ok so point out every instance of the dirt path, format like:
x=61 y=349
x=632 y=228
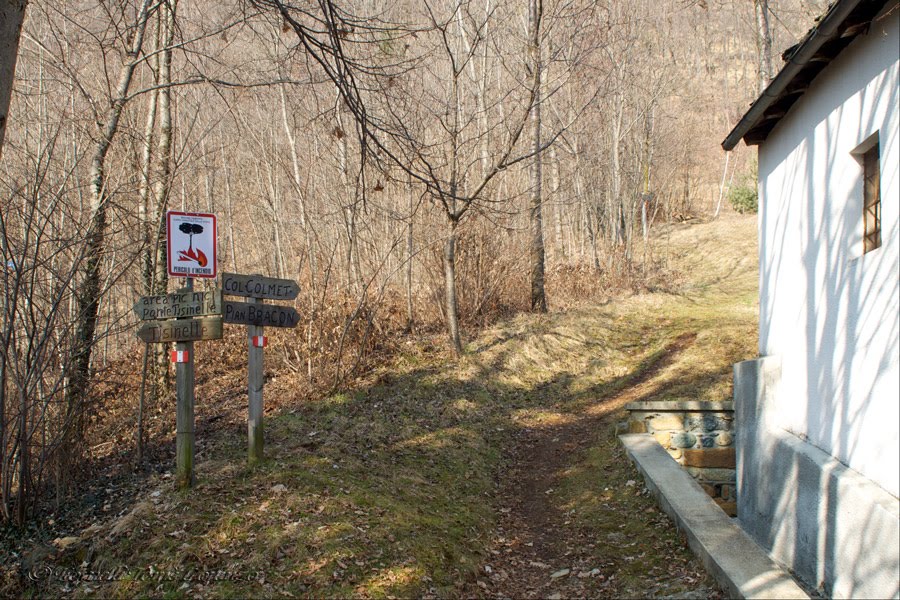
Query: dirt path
x=539 y=549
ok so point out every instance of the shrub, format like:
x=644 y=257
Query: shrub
x=744 y=198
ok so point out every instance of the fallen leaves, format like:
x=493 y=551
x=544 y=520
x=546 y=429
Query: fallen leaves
x=65 y=542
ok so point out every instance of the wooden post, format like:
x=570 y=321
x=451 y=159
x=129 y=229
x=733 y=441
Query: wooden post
x=255 y=392
x=184 y=418
x=256 y=315
x=139 y=434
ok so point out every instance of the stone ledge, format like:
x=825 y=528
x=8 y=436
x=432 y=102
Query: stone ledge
x=681 y=406
x=710 y=457
x=740 y=566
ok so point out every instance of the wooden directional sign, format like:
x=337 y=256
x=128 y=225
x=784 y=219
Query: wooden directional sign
x=268 y=315
x=181 y=330
x=181 y=305
x=257 y=286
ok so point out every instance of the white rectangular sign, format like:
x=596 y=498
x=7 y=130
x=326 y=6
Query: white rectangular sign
x=191 y=244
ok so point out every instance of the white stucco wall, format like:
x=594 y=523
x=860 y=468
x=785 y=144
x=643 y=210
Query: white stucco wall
x=830 y=313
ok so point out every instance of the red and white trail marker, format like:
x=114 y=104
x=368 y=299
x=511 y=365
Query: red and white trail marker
x=180 y=356
x=260 y=341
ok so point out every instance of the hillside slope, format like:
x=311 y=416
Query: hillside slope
x=497 y=475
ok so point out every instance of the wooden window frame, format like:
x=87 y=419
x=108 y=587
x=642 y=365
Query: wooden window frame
x=868 y=155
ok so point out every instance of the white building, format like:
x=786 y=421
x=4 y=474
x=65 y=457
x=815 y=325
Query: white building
x=818 y=415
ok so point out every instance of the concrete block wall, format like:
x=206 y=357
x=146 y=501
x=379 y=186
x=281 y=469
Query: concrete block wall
x=699 y=436
x=834 y=528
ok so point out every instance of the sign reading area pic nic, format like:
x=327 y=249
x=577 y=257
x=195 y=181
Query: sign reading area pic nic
x=191 y=244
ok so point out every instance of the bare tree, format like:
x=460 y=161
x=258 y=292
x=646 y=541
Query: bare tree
x=90 y=287
x=430 y=143
x=763 y=43
x=41 y=257
x=538 y=297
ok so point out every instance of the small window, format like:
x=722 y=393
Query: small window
x=867 y=154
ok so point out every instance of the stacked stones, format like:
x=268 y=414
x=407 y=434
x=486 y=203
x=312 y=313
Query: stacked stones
x=699 y=436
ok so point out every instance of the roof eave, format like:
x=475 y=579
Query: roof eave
x=806 y=51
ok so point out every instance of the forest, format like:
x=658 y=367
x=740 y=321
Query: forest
x=419 y=168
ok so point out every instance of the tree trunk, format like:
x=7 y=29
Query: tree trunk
x=23 y=459
x=163 y=183
x=617 y=208
x=450 y=286
x=88 y=294
x=229 y=209
x=480 y=81
x=12 y=14
x=559 y=241
x=147 y=198
x=647 y=156
x=410 y=316
x=722 y=186
x=453 y=216
x=4 y=479
x=538 y=297
x=348 y=211
x=763 y=43
x=298 y=188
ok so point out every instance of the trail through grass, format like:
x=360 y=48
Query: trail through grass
x=489 y=476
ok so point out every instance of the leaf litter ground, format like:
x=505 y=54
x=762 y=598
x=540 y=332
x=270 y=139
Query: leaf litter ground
x=498 y=475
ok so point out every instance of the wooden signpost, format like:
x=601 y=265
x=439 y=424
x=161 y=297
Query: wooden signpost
x=254 y=314
x=184 y=406
x=184 y=317
x=187 y=316
x=164 y=321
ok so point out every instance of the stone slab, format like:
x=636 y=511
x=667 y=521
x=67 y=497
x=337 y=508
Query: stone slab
x=712 y=474
x=666 y=422
x=663 y=437
x=683 y=440
x=740 y=566
x=637 y=427
x=730 y=508
x=712 y=457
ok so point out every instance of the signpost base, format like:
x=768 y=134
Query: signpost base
x=255 y=393
x=184 y=416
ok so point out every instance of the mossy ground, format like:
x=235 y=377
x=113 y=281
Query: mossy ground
x=421 y=483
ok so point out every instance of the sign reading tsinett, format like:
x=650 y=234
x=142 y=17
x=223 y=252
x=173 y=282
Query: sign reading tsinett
x=257 y=286
x=181 y=330
x=180 y=305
